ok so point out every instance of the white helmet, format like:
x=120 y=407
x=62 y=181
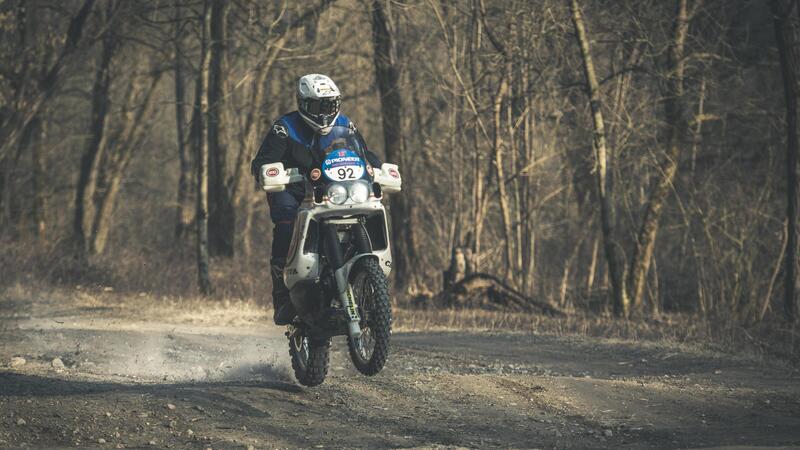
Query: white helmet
x=318 y=101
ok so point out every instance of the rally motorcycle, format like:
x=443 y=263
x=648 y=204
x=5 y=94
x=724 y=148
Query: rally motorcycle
x=339 y=257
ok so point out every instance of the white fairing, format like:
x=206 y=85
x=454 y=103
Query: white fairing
x=302 y=266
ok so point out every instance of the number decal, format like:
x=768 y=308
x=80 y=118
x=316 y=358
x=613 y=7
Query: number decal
x=342 y=165
x=345 y=173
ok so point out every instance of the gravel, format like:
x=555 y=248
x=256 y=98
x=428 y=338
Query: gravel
x=17 y=361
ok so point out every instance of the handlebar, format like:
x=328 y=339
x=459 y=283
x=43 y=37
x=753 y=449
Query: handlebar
x=274 y=178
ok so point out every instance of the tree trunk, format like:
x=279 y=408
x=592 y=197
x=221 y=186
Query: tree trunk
x=786 y=17
x=601 y=155
x=697 y=132
x=93 y=154
x=183 y=213
x=528 y=188
x=13 y=205
x=130 y=139
x=501 y=185
x=518 y=160
x=477 y=168
x=391 y=114
x=201 y=147
x=102 y=223
x=250 y=204
x=592 y=267
x=38 y=180
x=221 y=219
x=458 y=269
x=676 y=132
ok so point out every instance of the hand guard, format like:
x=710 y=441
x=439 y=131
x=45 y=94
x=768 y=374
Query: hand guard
x=272 y=177
x=388 y=176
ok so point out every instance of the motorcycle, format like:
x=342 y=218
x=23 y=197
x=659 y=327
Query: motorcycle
x=339 y=257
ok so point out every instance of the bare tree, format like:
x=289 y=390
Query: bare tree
x=676 y=135
x=128 y=138
x=38 y=177
x=30 y=102
x=600 y=152
x=386 y=75
x=200 y=118
x=33 y=80
x=183 y=210
x=787 y=28
x=89 y=174
x=221 y=215
x=499 y=167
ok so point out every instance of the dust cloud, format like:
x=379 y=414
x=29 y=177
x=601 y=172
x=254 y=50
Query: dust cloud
x=158 y=352
x=194 y=358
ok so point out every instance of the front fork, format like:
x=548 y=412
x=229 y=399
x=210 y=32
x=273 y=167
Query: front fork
x=333 y=251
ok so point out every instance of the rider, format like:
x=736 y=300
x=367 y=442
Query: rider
x=291 y=141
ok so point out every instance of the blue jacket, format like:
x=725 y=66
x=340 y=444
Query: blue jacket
x=291 y=140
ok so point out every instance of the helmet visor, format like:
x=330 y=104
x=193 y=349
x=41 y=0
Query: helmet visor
x=322 y=107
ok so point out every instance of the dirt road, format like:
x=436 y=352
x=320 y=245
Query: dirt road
x=176 y=378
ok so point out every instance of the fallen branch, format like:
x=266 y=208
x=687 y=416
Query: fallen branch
x=482 y=290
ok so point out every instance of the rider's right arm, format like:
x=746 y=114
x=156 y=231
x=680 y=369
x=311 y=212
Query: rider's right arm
x=272 y=149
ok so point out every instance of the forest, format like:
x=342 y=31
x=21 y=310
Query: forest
x=628 y=161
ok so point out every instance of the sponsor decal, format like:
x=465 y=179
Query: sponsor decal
x=341 y=165
x=280 y=130
x=370 y=171
x=315 y=174
x=324 y=89
x=351 y=305
x=272 y=172
x=394 y=173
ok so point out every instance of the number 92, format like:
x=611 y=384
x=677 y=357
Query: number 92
x=345 y=173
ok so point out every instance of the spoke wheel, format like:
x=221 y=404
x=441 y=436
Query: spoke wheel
x=371 y=294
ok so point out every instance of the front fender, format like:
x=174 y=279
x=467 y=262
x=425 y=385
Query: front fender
x=342 y=275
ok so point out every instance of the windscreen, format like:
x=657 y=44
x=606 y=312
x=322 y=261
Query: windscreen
x=343 y=156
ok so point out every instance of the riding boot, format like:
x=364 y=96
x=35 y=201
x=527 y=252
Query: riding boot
x=281 y=301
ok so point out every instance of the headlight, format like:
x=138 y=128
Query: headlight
x=359 y=192
x=337 y=193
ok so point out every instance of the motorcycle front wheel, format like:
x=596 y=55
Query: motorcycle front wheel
x=310 y=359
x=371 y=294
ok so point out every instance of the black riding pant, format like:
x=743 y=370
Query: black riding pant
x=283 y=208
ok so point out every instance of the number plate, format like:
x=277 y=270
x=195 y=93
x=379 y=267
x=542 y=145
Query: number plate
x=342 y=165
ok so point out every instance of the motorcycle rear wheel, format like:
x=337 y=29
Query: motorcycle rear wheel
x=310 y=359
x=371 y=294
